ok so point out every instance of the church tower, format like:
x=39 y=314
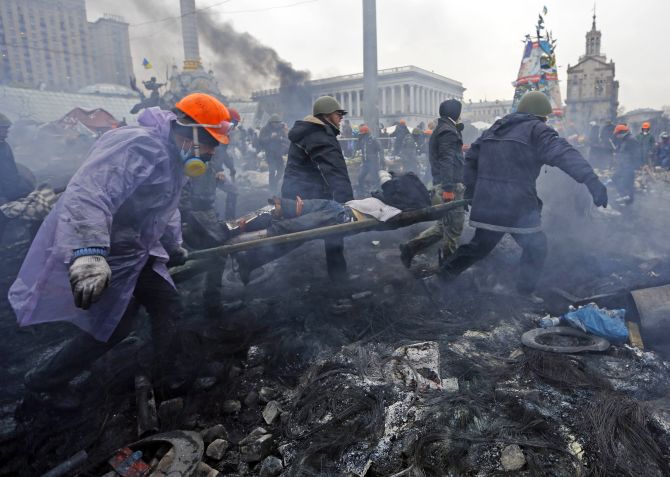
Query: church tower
x=593 y=40
x=592 y=92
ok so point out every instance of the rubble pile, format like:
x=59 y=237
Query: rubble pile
x=294 y=376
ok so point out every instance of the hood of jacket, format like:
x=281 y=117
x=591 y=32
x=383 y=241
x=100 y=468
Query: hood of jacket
x=157 y=119
x=448 y=123
x=503 y=125
x=309 y=125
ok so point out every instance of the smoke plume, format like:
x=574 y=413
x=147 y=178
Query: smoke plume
x=241 y=62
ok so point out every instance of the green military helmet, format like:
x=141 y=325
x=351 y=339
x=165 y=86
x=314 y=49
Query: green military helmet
x=274 y=119
x=535 y=102
x=4 y=121
x=326 y=105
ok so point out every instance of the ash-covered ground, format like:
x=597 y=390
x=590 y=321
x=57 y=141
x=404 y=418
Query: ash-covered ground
x=299 y=376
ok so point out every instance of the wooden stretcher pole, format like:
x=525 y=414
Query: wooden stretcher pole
x=403 y=220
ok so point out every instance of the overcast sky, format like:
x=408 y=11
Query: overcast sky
x=477 y=42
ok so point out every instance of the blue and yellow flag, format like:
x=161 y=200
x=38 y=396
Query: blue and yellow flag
x=147 y=64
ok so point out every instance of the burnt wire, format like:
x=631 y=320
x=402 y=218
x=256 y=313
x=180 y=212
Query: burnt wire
x=624 y=440
x=563 y=371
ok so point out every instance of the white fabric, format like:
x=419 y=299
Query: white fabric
x=374 y=207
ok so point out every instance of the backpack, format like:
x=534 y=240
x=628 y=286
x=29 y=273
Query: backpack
x=404 y=191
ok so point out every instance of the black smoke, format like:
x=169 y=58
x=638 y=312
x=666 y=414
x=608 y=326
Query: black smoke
x=243 y=64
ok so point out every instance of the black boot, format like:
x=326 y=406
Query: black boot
x=406 y=255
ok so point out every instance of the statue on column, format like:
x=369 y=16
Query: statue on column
x=154 y=98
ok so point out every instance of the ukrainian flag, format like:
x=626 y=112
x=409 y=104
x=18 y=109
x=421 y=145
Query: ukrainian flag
x=147 y=64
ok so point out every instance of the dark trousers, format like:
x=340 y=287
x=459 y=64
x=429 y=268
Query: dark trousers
x=163 y=305
x=335 y=261
x=368 y=168
x=534 y=253
x=276 y=171
x=624 y=181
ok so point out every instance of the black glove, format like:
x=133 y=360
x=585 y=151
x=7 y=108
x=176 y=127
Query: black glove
x=598 y=192
x=178 y=257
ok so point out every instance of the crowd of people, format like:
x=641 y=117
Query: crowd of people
x=145 y=196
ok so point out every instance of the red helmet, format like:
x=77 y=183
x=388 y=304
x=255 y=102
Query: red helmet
x=364 y=129
x=646 y=125
x=621 y=128
x=235 y=117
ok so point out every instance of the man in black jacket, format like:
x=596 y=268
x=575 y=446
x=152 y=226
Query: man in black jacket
x=445 y=152
x=372 y=158
x=272 y=140
x=316 y=168
x=12 y=185
x=401 y=131
x=501 y=168
x=627 y=159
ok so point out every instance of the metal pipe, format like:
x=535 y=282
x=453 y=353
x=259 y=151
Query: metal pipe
x=370 y=93
x=66 y=467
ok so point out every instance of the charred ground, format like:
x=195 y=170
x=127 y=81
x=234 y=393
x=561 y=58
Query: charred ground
x=321 y=352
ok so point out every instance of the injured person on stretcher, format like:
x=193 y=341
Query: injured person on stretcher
x=399 y=193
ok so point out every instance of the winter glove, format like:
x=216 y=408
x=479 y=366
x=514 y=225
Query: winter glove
x=598 y=192
x=384 y=176
x=178 y=257
x=89 y=276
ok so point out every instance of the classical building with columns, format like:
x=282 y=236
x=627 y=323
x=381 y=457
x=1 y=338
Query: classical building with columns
x=407 y=92
x=486 y=111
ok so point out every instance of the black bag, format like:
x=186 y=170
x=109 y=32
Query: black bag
x=404 y=191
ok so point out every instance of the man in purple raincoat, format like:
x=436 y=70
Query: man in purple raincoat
x=110 y=236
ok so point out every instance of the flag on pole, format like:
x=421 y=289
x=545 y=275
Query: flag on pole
x=147 y=64
x=544 y=10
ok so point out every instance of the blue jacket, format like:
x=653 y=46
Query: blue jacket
x=502 y=166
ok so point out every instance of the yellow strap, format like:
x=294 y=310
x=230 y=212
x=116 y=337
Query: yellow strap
x=634 y=336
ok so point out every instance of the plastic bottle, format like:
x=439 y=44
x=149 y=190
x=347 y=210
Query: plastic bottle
x=549 y=322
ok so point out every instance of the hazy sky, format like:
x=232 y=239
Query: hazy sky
x=477 y=42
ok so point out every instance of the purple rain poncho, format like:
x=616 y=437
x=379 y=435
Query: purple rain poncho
x=123 y=197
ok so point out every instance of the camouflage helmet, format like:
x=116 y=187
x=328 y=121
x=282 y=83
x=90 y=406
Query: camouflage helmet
x=326 y=105
x=535 y=102
x=274 y=119
x=4 y=121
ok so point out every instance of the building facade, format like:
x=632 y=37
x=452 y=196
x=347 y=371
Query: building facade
x=110 y=38
x=49 y=44
x=485 y=111
x=407 y=92
x=593 y=92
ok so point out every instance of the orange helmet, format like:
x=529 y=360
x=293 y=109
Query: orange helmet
x=621 y=128
x=363 y=129
x=402 y=121
x=646 y=125
x=428 y=132
x=208 y=113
